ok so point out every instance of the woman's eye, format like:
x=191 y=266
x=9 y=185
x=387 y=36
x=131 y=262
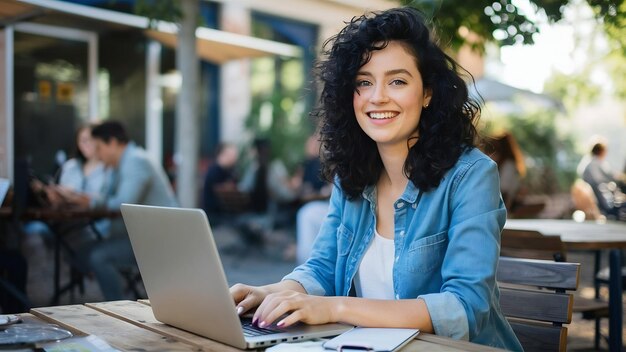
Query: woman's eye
x=397 y=82
x=363 y=83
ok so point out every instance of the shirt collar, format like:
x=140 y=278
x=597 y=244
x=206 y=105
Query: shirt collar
x=409 y=195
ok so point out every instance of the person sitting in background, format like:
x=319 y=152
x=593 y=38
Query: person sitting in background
x=505 y=151
x=267 y=180
x=584 y=200
x=134 y=179
x=315 y=193
x=313 y=187
x=219 y=176
x=606 y=185
x=271 y=191
x=84 y=173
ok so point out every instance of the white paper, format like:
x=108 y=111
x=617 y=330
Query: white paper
x=374 y=339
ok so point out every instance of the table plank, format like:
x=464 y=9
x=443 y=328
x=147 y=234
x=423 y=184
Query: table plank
x=424 y=342
x=119 y=334
x=430 y=342
x=141 y=315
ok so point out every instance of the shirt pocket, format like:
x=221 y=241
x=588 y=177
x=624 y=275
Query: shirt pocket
x=426 y=254
x=344 y=240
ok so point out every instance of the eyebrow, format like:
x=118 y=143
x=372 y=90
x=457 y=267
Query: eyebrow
x=387 y=73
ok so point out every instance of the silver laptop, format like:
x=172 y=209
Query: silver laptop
x=183 y=276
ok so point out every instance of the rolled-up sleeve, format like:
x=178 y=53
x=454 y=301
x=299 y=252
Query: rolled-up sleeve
x=447 y=315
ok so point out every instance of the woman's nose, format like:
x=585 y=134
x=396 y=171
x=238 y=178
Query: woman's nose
x=379 y=94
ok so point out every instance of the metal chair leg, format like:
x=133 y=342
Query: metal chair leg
x=615 y=300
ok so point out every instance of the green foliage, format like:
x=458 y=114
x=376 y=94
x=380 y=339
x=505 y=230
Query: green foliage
x=550 y=154
x=572 y=90
x=616 y=61
x=502 y=22
x=166 y=10
x=278 y=110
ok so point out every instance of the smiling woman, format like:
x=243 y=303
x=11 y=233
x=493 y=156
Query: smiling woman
x=389 y=98
x=412 y=236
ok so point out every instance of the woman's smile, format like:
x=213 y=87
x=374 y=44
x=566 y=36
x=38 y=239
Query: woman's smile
x=385 y=115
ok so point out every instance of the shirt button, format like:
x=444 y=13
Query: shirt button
x=402 y=233
x=397 y=296
x=414 y=205
x=400 y=205
x=398 y=257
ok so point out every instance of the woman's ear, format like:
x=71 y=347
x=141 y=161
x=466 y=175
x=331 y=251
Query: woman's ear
x=428 y=94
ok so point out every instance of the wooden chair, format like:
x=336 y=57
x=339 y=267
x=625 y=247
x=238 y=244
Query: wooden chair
x=533 y=298
x=534 y=245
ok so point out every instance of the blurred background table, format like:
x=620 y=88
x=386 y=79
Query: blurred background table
x=61 y=221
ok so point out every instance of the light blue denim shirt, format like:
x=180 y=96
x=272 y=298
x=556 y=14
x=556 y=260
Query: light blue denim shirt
x=447 y=244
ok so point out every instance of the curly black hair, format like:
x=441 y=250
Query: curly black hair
x=446 y=127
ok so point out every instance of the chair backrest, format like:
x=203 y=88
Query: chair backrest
x=531 y=245
x=533 y=297
x=232 y=201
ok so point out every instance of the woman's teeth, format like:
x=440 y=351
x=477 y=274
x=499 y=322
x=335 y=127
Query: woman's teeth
x=381 y=115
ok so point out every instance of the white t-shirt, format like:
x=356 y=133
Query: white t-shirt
x=374 y=278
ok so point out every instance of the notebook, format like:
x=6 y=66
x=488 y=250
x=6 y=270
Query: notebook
x=372 y=339
x=185 y=281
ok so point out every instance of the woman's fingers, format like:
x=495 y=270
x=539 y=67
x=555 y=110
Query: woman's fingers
x=274 y=311
x=239 y=292
x=291 y=319
x=288 y=308
x=246 y=297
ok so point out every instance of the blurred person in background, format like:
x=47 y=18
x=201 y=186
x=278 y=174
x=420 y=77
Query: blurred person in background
x=505 y=151
x=607 y=185
x=267 y=180
x=314 y=196
x=219 y=176
x=84 y=173
x=411 y=239
x=271 y=191
x=134 y=179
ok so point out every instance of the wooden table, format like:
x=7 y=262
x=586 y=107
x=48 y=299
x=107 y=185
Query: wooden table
x=588 y=235
x=130 y=325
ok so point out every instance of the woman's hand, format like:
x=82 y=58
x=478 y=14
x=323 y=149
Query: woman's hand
x=290 y=307
x=247 y=297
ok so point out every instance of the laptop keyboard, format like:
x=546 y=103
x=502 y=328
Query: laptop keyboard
x=253 y=330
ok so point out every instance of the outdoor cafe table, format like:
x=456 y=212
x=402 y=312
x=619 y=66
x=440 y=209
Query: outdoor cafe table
x=131 y=326
x=61 y=221
x=588 y=235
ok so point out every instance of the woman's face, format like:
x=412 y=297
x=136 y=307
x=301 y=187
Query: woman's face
x=389 y=96
x=86 y=143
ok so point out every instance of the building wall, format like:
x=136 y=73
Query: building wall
x=328 y=15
